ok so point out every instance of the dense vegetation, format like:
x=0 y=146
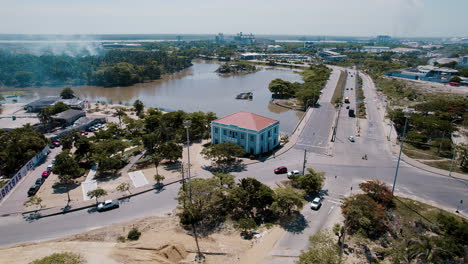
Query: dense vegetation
x=60 y=258
x=237 y=67
x=308 y=92
x=112 y=68
x=381 y=228
x=18 y=146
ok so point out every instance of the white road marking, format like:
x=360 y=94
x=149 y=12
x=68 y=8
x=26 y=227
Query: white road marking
x=138 y=179
x=329 y=211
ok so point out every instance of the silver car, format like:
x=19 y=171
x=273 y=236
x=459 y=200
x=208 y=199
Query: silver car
x=316 y=203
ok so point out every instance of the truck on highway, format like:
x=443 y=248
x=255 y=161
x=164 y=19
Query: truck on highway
x=351 y=112
x=346 y=100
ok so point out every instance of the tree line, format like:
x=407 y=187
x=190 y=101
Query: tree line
x=111 y=68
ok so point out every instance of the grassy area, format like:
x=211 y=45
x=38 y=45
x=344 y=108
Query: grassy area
x=415 y=153
x=339 y=89
x=445 y=165
x=3 y=183
x=361 y=107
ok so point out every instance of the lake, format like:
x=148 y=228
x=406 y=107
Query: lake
x=198 y=88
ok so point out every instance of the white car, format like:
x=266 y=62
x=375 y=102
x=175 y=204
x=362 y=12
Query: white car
x=293 y=173
x=316 y=203
x=351 y=138
x=49 y=167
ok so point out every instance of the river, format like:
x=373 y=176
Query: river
x=198 y=88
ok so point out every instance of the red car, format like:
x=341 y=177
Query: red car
x=56 y=143
x=281 y=170
x=45 y=174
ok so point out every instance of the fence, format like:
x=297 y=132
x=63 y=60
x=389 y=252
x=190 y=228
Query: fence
x=22 y=173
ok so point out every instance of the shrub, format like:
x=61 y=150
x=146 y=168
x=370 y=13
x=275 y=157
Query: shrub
x=60 y=258
x=379 y=192
x=121 y=239
x=134 y=234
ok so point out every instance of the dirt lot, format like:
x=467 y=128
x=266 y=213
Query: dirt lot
x=163 y=240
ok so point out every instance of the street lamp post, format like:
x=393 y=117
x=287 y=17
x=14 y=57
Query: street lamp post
x=399 y=155
x=187 y=124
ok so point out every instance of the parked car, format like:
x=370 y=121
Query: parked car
x=107 y=205
x=347 y=107
x=293 y=173
x=316 y=203
x=351 y=138
x=45 y=174
x=52 y=146
x=39 y=181
x=281 y=170
x=56 y=143
x=49 y=167
x=33 y=190
x=351 y=88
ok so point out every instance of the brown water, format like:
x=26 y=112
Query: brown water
x=197 y=88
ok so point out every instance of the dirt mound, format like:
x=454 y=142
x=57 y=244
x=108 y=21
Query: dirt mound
x=166 y=254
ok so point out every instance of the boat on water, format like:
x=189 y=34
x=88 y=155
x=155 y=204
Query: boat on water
x=245 y=96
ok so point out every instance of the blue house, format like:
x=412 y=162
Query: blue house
x=256 y=134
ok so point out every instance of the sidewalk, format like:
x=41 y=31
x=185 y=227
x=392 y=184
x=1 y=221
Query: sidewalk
x=393 y=143
x=80 y=205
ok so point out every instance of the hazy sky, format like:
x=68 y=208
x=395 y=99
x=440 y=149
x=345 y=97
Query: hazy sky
x=304 y=17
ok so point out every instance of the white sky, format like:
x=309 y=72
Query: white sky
x=399 y=18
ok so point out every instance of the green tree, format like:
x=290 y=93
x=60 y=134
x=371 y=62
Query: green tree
x=286 y=201
x=60 y=258
x=282 y=87
x=171 y=151
x=364 y=215
x=462 y=152
x=23 y=78
x=463 y=71
x=323 y=250
x=97 y=193
x=311 y=182
x=83 y=148
x=45 y=116
x=159 y=178
x=120 y=113
x=201 y=203
x=67 y=141
x=455 y=79
x=106 y=154
x=67 y=93
x=67 y=170
x=139 y=107
x=247 y=225
x=156 y=158
x=123 y=187
x=251 y=198
x=223 y=153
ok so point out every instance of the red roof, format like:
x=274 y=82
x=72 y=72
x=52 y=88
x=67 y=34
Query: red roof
x=246 y=120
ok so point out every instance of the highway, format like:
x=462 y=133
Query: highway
x=344 y=162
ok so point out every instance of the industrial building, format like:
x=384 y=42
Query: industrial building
x=425 y=73
x=39 y=104
x=256 y=134
x=277 y=56
x=328 y=56
x=68 y=117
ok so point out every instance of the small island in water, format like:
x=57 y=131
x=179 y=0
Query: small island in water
x=237 y=67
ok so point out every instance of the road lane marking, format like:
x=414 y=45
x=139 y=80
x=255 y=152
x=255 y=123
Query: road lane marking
x=329 y=211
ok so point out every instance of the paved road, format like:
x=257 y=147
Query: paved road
x=315 y=136
x=346 y=164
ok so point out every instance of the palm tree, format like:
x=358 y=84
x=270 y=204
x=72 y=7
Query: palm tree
x=156 y=160
x=120 y=113
x=159 y=178
x=426 y=249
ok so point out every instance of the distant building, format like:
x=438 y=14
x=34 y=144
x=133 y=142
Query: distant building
x=383 y=39
x=463 y=61
x=68 y=117
x=405 y=50
x=375 y=49
x=328 y=56
x=219 y=38
x=256 y=134
x=278 y=56
x=274 y=47
x=245 y=39
x=117 y=45
x=41 y=103
x=425 y=73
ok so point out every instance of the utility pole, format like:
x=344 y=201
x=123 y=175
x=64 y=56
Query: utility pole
x=399 y=155
x=304 y=163
x=451 y=164
x=187 y=124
